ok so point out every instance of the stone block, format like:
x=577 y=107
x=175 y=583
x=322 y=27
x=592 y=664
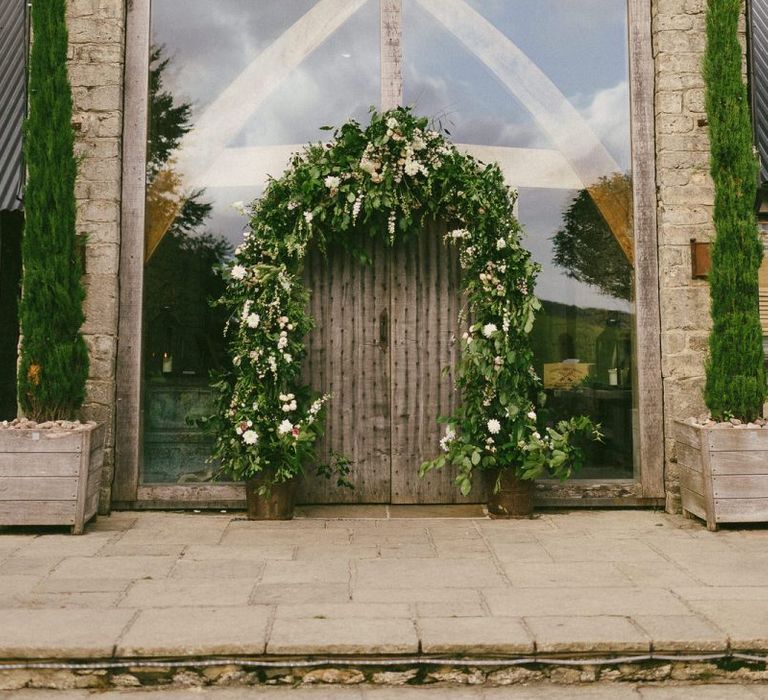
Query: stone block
x=587 y=600
x=321 y=572
x=205 y=631
x=191 y=594
x=474 y=636
x=672 y=633
x=61 y=634
x=452 y=573
x=342 y=636
x=579 y=634
x=95 y=30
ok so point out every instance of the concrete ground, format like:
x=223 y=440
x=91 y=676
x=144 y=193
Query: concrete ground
x=624 y=691
x=179 y=584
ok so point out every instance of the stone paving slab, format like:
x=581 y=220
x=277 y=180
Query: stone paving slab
x=199 y=631
x=342 y=636
x=572 y=583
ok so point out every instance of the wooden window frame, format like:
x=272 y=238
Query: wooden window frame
x=647 y=490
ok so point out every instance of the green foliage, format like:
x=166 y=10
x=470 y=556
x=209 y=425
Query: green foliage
x=388 y=179
x=735 y=370
x=54 y=358
x=587 y=249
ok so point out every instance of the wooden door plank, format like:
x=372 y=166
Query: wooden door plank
x=346 y=359
x=425 y=306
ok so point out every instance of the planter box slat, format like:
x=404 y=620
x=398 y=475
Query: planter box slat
x=729 y=484
x=740 y=462
x=31 y=464
x=34 y=488
x=688 y=435
x=49 y=478
x=694 y=481
x=688 y=456
x=742 y=510
x=37 y=512
x=46 y=441
x=755 y=486
x=693 y=502
x=737 y=439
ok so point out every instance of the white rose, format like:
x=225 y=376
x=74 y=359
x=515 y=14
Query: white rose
x=392 y=123
x=332 y=182
x=288 y=357
x=489 y=329
x=282 y=342
x=308 y=216
x=250 y=437
x=238 y=272
x=411 y=167
x=494 y=426
x=501 y=244
x=531 y=415
x=252 y=320
x=285 y=427
x=536 y=435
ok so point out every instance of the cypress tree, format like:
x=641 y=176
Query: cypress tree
x=54 y=359
x=735 y=371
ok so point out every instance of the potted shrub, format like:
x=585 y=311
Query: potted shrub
x=723 y=457
x=50 y=464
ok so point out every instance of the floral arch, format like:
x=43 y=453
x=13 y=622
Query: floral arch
x=388 y=180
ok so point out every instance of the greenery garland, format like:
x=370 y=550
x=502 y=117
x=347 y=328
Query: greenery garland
x=735 y=385
x=53 y=366
x=388 y=179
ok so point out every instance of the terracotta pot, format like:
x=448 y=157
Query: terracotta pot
x=514 y=499
x=277 y=505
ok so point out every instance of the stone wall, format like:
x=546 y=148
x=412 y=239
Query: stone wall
x=96 y=38
x=685 y=202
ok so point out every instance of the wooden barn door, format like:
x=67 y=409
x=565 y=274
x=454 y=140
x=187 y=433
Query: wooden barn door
x=384 y=346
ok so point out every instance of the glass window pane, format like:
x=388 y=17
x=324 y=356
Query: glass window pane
x=235 y=88
x=542 y=87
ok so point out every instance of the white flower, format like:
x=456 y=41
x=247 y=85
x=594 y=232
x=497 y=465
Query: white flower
x=238 y=272
x=494 y=426
x=369 y=166
x=450 y=434
x=282 y=321
x=332 y=182
x=418 y=143
x=489 y=329
x=411 y=167
x=282 y=342
x=288 y=407
x=536 y=435
x=459 y=233
x=285 y=427
x=250 y=437
x=308 y=216
x=288 y=357
x=501 y=244
x=239 y=207
x=392 y=123
x=531 y=415
x=253 y=320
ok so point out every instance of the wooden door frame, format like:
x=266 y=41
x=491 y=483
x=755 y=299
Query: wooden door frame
x=648 y=489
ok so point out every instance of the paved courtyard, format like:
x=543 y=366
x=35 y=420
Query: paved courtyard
x=179 y=584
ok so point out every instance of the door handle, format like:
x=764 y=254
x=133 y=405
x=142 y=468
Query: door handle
x=383 y=329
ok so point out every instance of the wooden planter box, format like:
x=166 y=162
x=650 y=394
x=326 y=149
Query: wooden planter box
x=50 y=477
x=723 y=473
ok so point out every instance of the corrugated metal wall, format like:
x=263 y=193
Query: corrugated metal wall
x=12 y=100
x=758 y=83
